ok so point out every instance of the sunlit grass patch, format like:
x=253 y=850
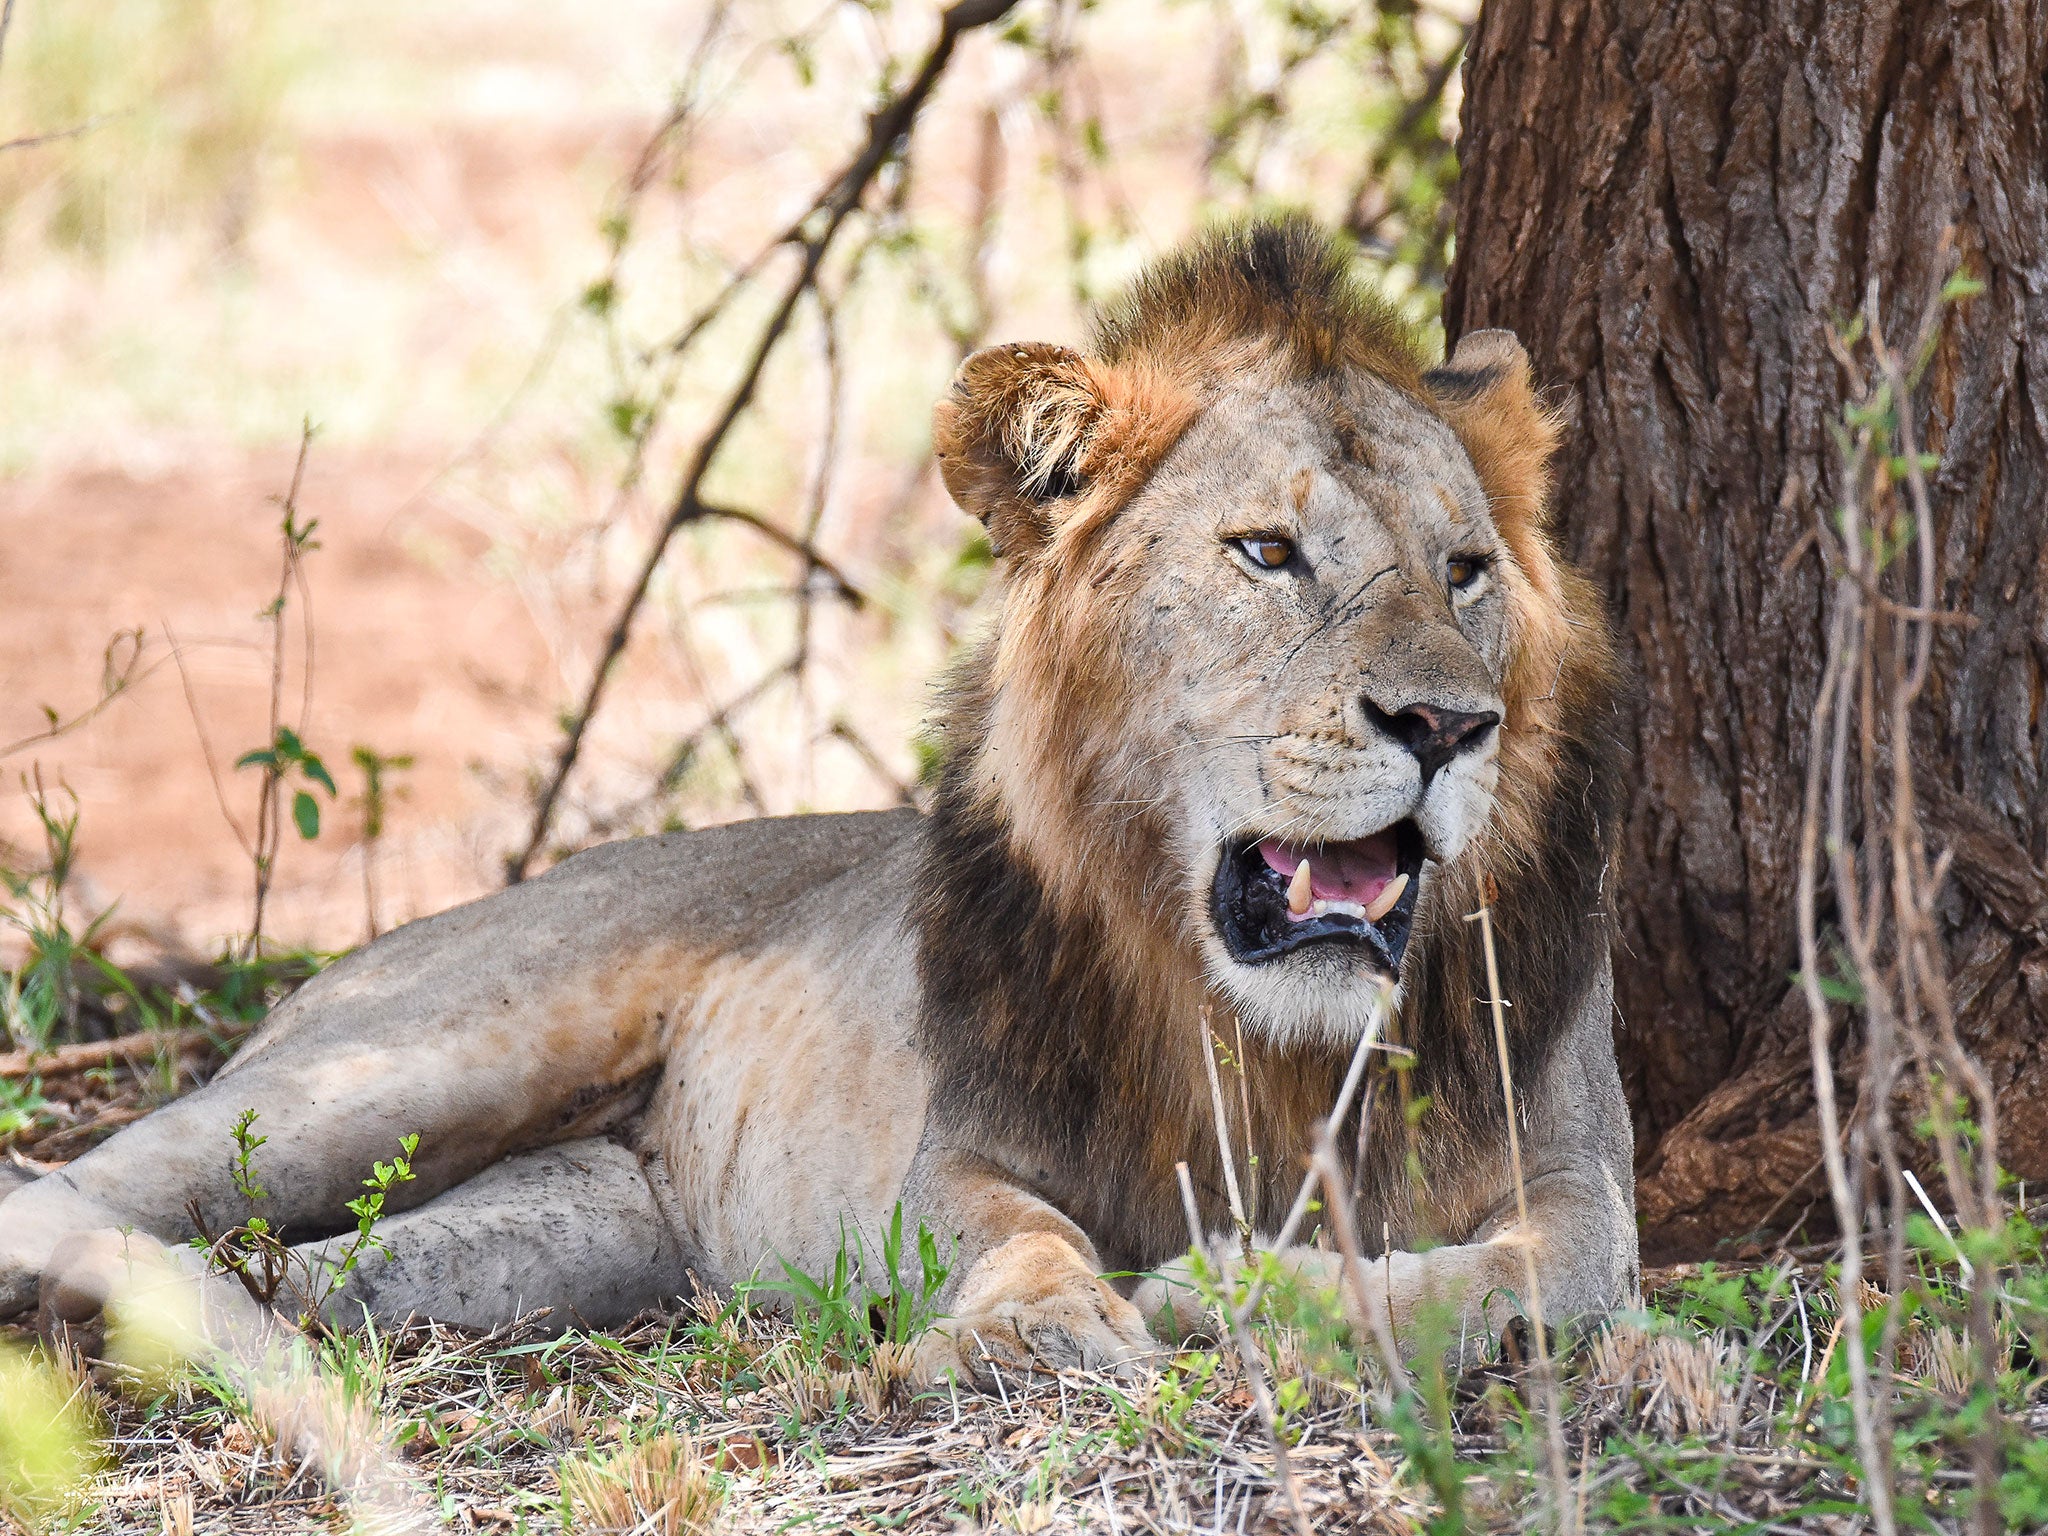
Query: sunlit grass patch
x=49 y=1438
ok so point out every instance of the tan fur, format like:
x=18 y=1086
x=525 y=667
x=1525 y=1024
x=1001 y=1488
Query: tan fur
x=714 y=1054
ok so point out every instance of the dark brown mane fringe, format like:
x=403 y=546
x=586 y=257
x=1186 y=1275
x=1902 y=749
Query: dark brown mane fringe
x=1280 y=284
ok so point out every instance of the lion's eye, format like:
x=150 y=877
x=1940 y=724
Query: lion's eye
x=1265 y=550
x=1463 y=572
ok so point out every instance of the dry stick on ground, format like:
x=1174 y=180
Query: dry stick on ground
x=1546 y=1375
x=813 y=236
x=64 y=1060
x=1254 y=1364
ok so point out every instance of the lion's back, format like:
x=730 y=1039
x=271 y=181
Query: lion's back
x=565 y=938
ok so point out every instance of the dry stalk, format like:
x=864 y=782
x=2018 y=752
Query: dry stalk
x=121 y=669
x=1563 y=1507
x=1210 y=1045
x=1236 y=1320
x=270 y=817
x=1290 y=1229
x=661 y=1487
x=1344 y=1220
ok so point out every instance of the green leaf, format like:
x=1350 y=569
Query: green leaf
x=288 y=743
x=306 y=815
x=258 y=758
x=317 y=772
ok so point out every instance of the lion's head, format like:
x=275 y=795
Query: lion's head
x=1283 y=649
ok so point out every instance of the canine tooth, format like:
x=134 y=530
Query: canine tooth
x=1298 y=895
x=1385 y=902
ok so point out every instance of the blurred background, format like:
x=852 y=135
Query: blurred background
x=505 y=272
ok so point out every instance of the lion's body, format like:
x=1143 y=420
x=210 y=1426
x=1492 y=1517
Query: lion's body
x=706 y=1053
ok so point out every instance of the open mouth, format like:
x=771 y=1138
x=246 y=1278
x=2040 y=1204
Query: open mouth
x=1272 y=896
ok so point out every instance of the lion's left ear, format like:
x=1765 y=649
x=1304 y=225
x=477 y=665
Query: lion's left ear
x=1484 y=392
x=1012 y=435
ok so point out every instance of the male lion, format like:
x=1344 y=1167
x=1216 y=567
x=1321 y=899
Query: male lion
x=1284 y=682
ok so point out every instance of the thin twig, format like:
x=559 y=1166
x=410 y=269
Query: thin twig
x=1236 y=1197
x=120 y=670
x=1344 y=1221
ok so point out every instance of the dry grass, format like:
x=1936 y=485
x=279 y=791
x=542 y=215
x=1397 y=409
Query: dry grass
x=662 y=1486
x=708 y=1419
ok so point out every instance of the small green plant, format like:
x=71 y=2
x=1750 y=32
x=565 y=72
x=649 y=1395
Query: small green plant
x=368 y=1210
x=242 y=1166
x=840 y=1317
x=41 y=998
x=22 y=1105
x=285 y=756
x=1162 y=1413
x=258 y=1255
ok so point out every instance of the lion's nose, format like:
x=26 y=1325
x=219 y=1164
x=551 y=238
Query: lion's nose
x=1435 y=735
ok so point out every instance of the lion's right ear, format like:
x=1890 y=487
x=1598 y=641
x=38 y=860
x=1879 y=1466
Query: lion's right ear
x=1012 y=437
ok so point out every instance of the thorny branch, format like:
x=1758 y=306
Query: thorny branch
x=811 y=236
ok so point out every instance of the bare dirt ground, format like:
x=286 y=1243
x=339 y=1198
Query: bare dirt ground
x=416 y=651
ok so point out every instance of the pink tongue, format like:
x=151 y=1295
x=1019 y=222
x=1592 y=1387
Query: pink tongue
x=1338 y=871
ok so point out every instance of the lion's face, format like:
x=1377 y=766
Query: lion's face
x=1251 y=683
x=1313 y=644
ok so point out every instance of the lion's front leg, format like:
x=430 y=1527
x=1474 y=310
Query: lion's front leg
x=1026 y=1290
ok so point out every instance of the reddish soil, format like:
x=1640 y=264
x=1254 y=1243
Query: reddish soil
x=194 y=553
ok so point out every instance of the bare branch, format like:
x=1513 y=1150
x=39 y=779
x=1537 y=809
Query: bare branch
x=813 y=236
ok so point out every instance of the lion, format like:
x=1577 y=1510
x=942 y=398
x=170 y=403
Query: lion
x=1284 y=682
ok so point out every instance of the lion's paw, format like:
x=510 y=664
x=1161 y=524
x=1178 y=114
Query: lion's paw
x=123 y=1297
x=1033 y=1302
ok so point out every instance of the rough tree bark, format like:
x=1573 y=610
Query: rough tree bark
x=1672 y=201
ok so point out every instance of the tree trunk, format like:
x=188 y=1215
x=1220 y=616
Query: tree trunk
x=1674 y=203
